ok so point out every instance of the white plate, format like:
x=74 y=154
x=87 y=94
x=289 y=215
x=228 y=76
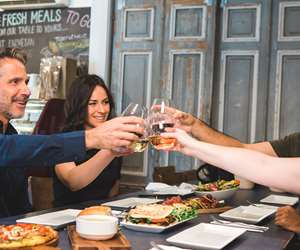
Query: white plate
x=54 y=219
x=57 y=219
x=280 y=199
x=206 y=236
x=220 y=194
x=131 y=202
x=251 y=214
x=149 y=228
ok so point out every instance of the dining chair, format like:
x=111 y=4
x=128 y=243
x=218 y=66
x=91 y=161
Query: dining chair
x=168 y=175
x=50 y=121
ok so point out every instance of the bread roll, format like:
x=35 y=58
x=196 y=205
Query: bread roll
x=101 y=210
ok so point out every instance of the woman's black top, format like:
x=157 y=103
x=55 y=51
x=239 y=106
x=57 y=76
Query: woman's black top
x=96 y=190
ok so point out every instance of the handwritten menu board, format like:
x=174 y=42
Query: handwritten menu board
x=47 y=32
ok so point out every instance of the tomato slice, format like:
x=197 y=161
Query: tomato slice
x=161 y=220
x=43 y=230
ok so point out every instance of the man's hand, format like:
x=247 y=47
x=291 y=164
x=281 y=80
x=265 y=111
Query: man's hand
x=185 y=120
x=288 y=218
x=117 y=132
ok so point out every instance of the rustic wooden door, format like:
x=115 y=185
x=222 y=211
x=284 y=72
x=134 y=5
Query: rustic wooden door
x=163 y=48
x=256 y=83
x=233 y=63
x=242 y=68
x=284 y=87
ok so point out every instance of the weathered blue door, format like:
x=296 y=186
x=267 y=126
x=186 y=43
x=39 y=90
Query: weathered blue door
x=163 y=48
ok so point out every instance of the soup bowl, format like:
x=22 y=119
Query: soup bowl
x=96 y=227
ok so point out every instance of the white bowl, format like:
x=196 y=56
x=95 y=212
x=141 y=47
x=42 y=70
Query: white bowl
x=96 y=227
x=220 y=194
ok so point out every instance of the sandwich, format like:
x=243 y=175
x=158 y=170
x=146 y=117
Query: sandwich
x=160 y=215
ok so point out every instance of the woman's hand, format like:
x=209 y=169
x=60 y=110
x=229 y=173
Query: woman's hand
x=288 y=218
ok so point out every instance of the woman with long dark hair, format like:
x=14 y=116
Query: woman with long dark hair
x=88 y=104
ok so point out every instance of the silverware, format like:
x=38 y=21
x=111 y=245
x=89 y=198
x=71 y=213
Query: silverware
x=255 y=205
x=246 y=226
x=156 y=247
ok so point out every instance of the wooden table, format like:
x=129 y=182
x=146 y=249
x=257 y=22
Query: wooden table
x=275 y=238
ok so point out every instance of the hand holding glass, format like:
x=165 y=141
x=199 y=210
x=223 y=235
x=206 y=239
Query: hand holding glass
x=159 y=119
x=138 y=110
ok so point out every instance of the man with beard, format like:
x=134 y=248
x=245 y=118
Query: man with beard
x=13 y=89
x=19 y=151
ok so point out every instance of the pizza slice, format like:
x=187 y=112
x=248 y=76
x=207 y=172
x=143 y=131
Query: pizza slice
x=25 y=235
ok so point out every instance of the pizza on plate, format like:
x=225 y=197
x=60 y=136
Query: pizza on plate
x=25 y=235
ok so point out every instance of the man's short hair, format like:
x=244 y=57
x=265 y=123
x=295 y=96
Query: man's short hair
x=13 y=53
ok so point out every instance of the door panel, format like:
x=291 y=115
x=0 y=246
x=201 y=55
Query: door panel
x=187 y=64
x=241 y=79
x=135 y=64
x=238 y=89
x=283 y=109
x=289 y=63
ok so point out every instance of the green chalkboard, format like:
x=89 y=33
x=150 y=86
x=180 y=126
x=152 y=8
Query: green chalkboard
x=47 y=32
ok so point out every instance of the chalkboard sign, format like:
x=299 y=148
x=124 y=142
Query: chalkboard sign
x=47 y=32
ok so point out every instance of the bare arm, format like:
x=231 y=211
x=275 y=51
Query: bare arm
x=282 y=173
x=203 y=132
x=288 y=218
x=77 y=177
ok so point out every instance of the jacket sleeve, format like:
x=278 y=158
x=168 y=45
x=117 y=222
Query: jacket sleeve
x=46 y=150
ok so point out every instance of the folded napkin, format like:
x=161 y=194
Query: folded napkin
x=156 y=186
x=164 y=247
x=162 y=188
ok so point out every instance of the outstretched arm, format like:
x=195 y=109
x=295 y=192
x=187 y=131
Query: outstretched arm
x=24 y=150
x=203 y=132
x=282 y=173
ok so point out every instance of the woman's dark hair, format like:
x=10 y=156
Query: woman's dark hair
x=77 y=100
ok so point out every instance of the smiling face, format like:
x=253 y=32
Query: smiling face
x=98 y=108
x=14 y=92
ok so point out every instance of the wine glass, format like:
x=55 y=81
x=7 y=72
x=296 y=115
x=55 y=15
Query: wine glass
x=134 y=109
x=159 y=119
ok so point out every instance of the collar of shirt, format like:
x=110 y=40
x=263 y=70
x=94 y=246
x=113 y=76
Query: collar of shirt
x=9 y=131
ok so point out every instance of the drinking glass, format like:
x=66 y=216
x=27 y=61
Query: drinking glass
x=134 y=109
x=158 y=120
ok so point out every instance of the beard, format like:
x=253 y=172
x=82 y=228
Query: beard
x=6 y=108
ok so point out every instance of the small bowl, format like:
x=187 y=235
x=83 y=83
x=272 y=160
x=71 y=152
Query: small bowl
x=220 y=194
x=96 y=227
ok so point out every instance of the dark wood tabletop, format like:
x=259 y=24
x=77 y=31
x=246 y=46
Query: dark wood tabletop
x=275 y=238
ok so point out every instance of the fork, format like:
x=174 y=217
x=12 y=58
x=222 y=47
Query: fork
x=249 y=227
x=253 y=204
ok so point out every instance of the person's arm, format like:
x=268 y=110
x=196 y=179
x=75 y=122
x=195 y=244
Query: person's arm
x=23 y=150
x=203 y=132
x=282 y=173
x=78 y=177
x=117 y=132
x=288 y=218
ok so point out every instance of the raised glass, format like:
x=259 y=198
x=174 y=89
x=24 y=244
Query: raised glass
x=159 y=119
x=134 y=109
